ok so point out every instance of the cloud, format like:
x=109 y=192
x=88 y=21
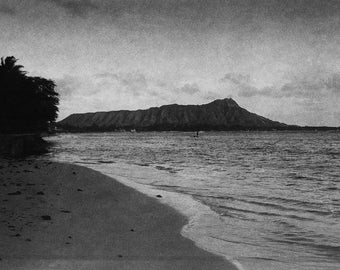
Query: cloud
x=133 y=82
x=211 y=96
x=106 y=75
x=110 y=91
x=242 y=83
x=5 y=9
x=306 y=86
x=71 y=86
x=67 y=86
x=76 y=7
x=236 y=78
x=188 y=88
x=200 y=9
x=311 y=87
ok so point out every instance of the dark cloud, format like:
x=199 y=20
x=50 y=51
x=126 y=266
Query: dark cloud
x=333 y=83
x=210 y=96
x=133 y=82
x=203 y=15
x=243 y=84
x=288 y=8
x=236 y=78
x=309 y=87
x=311 y=9
x=138 y=84
x=76 y=7
x=67 y=86
x=210 y=13
x=189 y=88
x=5 y=9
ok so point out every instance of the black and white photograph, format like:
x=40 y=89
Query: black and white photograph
x=169 y=134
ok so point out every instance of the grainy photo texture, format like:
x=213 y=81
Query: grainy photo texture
x=170 y=134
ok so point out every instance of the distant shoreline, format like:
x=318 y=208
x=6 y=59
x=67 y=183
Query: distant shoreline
x=291 y=129
x=218 y=115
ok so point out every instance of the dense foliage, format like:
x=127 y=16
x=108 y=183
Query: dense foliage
x=27 y=104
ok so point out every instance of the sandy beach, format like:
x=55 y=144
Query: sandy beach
x=63 y=216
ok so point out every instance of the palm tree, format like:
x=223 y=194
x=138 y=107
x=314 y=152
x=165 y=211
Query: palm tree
x=8 y=66
x=27 y=104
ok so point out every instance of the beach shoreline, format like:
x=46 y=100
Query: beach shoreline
x=64 y=216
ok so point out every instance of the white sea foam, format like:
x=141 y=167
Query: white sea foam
x=199 y=216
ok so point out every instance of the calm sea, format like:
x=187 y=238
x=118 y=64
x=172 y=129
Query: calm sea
x=273 y=197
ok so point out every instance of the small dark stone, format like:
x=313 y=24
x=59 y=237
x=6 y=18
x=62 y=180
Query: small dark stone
x=40 y=193
x=74 y=173
x=28 y=240
x=120 y=256
x=132 y=230
x=65 y=211
x=67 y=243
x=79 y=189
x=70 y=237
x=46 y=217
x=14 y=193
x=159 y=196
x=36 y=167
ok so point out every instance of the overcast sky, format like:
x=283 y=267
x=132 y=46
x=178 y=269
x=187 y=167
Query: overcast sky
x=277 y=58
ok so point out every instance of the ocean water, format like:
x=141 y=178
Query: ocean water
x=266 y=200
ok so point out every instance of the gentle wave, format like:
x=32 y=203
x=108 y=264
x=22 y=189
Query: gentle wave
x=276 y=193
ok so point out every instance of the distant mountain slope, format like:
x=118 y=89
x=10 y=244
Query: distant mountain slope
x=221 y=114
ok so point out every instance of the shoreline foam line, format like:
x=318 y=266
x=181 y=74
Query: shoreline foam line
x=197 y=214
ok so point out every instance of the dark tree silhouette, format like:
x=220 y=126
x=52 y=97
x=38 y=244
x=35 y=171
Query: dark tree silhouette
x=27 y=104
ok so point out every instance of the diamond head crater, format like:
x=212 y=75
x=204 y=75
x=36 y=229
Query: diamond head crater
x=219 y=115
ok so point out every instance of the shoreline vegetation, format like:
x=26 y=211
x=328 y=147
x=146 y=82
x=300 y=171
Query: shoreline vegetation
x=28 y=108
x=20 y=145
x=65 y=216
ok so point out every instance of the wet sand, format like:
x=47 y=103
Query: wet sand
x=63 y=216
